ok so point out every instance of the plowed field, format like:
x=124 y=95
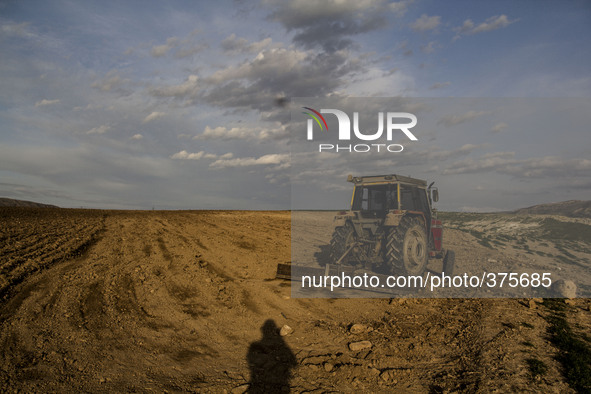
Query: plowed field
x=185 y=301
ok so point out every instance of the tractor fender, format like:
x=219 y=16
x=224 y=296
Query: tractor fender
x=419 y=215
x=340 y=220
x=393 y=219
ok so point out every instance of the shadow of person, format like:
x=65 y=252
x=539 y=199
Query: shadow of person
x=270 y=361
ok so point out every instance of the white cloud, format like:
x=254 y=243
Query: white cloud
x=137 y=137
x=16 y=29
x=492 y=23
x=184 y=155
x=272 y=62
x=162 y=50
x=45 y=102
x=399 y=7
x=282 y=160
x=234 y=44
x=153 y=116
x=429 y=48
x=224 y=133
x=377 y=82
x=499 y=127
x=425 y=23
x=452 y=120
x=189 y=88
x=99 y=130
x=111 y=82
x=273 y=134
x=275 y=73
x=299 y=13
x=244 y=133
x=329 y=24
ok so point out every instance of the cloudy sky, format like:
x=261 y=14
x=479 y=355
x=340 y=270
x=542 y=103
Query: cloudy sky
x=186 y=104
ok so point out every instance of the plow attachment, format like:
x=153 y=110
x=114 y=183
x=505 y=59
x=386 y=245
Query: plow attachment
x=284 y=271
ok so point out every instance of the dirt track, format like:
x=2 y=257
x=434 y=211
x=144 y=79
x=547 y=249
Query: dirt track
x=175 y=301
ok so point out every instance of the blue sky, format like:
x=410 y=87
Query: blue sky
x=186 y=105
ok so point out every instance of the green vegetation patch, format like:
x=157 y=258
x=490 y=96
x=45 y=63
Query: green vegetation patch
x=555 y=229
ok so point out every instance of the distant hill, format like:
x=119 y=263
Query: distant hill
x=9 y=202
x=572 y=208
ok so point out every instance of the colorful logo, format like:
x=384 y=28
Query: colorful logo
x=388 y=124
x=316 y=117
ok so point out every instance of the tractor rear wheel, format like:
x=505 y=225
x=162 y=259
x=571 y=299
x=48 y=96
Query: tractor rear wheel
x=406 y=248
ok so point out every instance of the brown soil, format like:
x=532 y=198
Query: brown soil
x=121 y=301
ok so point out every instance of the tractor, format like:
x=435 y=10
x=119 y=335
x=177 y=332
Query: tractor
x=391 y=227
